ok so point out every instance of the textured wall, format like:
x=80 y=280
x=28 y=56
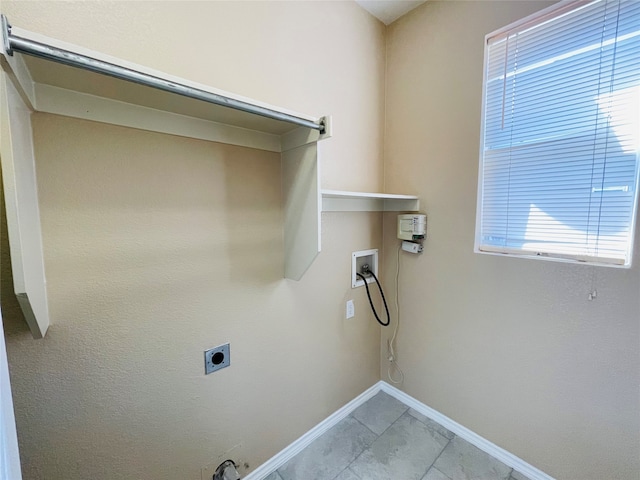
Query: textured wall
x=510 y=348
x=157 y=247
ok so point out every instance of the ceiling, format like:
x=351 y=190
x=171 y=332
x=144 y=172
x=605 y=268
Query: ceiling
x=389 y=11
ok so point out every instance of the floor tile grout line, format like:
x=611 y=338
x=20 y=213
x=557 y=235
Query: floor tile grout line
x=344 y=470
x=449 y=440
x=432 y=467
x=377 y=436
x=365 y=448
x=390 y=425
x=508 y=477
x=361 y=423
x=405 y=412
x=436 y=468
x=433 y=430
x=399 y=401
x=429 y=423
x=430 y=427
x=277 y=470
x=395 y=421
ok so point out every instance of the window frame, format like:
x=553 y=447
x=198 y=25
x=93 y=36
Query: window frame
x=539 y=17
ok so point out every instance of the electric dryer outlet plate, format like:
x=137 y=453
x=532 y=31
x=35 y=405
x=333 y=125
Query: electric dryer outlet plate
x=216 y=358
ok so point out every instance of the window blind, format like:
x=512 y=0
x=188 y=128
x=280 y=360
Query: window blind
x=561 y=134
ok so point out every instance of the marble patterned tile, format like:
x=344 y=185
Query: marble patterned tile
x=348 y=474
x=404 y=451
x=373 y=476
x=330 y=453
x=431 y=423
x=274 y=476
x=463 y=461
x=518 y=476
x=435 y=474
x=379 y=412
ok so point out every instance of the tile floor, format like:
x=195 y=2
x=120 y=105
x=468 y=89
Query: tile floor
x=383 y=439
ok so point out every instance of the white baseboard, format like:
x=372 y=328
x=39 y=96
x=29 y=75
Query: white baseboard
x=279 y=459
x=473 y=438
x=282 y=457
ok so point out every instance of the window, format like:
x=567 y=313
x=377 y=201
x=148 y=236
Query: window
x=560 y=144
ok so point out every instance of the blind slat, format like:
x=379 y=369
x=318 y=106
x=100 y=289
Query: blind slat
x=561 y=141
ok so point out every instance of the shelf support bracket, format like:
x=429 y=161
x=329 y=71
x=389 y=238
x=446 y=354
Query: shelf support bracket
x=23 y=212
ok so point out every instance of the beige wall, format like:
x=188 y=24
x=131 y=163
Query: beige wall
x=158 y=247
x=510 y=348
x=148 y=264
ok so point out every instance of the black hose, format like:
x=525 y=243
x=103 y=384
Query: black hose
x=366 y=285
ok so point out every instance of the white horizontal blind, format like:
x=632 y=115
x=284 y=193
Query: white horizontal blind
x=561 y=134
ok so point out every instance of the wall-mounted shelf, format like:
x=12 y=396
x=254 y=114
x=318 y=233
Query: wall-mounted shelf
x=340 y=201
x=66 y=79
x=46 y=75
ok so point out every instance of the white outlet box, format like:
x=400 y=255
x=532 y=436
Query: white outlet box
x=351 y=309
x=358 y=259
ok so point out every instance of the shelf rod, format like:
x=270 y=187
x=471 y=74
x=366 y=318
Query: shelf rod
x=14 y=43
